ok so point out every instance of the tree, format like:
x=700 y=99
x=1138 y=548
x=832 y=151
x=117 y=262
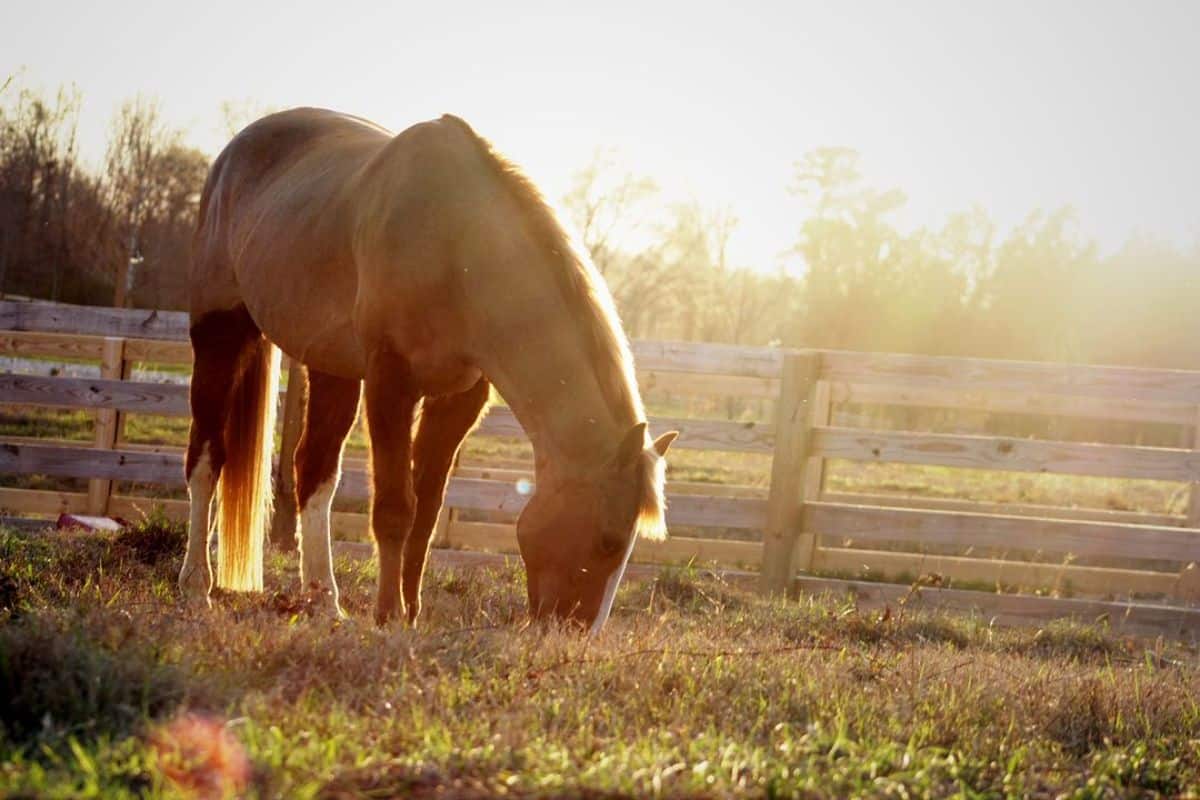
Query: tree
x=44 y=196
x=1033 y=292
x=138 y=140
x=607 y=208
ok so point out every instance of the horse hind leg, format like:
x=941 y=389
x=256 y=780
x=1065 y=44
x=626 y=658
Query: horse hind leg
x=329 y=415
x=445 y=422
x=220 y=341
x=391 y=401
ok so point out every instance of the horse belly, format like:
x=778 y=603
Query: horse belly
x=310 y=321
x=441 y=374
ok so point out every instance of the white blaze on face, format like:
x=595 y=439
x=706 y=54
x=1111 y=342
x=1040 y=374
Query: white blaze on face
x=610 y=588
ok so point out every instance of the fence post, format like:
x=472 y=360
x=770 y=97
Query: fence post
x=1187 y=588
x=814 y=474
x=112 y=365
x=123 y=418
x=283 y=522
x=785 y=503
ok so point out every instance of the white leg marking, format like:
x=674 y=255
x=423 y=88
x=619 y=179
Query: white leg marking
x=610 y=589
x=316 y=550
x=195 y=578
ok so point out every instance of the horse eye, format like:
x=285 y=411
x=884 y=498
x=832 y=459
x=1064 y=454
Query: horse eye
x=611 y=545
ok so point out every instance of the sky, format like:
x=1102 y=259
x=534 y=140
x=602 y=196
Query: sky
x=1010 y=106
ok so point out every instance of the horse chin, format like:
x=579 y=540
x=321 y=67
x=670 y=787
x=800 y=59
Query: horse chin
x=578 y=603
x=586 y=601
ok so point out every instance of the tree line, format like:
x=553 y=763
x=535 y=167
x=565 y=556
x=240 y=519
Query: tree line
x=119 y=233
x=1040 y=292
x=116 y=234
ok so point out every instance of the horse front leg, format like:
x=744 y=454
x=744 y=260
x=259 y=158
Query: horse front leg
x=391 y=400
x=445 y=422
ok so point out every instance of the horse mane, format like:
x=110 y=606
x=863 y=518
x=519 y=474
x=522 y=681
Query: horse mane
x=583 y=289
x=651 y=517
x=591 y=305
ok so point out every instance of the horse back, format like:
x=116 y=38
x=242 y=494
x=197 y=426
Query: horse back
x=275 y=227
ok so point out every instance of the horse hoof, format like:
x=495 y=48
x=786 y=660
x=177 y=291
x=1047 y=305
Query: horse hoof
x=386 y=616
x=194 y=588
x=323 y=602
x=196 y=599
x=414 y=612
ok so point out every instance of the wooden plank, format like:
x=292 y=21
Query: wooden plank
x=134 y=507
x=1006 y=454
x=499 y=463
x=112 y=363
x=45 y=440
x=494 y=474
x=699 y=383
x=167 y=399
x=1026 y=402
x=1091 y=581
x=50 y=345
x=1009 y=509
x=1014 y=609
x=43 y=502
x=719 y=435
x=22 y=344
x=489 y=537
x=715 y=489
x=84 y=462
x=139 y=447
x=93 y=320
x=694 y=434
x=503 y=496
x=686 y=357
x=792 y=449
x=158 y=351
x=973 y=374
x=676 y=487
x=494 y=537
x=963 y=530
x=718 y=359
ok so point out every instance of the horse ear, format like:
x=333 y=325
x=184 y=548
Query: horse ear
x=632 y=445
x=663 y=443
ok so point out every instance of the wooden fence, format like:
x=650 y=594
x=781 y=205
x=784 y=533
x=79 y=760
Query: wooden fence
x=792 y=533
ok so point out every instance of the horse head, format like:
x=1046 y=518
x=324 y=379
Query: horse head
x=578 y=531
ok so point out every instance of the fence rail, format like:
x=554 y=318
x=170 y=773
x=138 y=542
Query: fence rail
x=802 y=528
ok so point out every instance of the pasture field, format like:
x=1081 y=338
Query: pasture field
x=697 y=688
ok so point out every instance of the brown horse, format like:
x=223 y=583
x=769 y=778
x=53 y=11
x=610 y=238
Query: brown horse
x=425 y=268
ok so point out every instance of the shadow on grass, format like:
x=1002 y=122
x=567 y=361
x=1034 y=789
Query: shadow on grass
x=59 y=681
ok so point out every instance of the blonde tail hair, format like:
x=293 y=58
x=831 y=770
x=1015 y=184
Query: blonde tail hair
x=244 y=496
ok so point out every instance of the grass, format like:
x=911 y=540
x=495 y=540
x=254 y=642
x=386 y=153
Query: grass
x=696 y=689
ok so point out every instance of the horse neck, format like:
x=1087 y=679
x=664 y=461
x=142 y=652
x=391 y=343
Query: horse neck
x=545 y=371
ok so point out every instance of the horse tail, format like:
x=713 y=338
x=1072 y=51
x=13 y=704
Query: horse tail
x=244 y=497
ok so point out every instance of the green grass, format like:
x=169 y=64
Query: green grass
x=696 y=689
